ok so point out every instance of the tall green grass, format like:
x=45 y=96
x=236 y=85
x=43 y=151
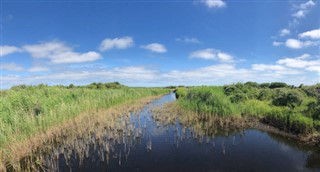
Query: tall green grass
x=286 y=107
x=29 y=110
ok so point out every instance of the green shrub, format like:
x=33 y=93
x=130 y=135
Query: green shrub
x=264 y=85
x=277 y=85
x=181 y=92
x=230 y=90
x=278 y=118
x=290 y=98
x=264 y=94
x=316 y=125
x=313 y=110
x=252 y=84
x=300 y=124
x=238 y=97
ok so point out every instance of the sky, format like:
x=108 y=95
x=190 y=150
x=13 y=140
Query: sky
x=159 y=43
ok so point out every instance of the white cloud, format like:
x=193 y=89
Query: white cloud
x=303 y=9
x=11 y=67
x=303 y=56
x=275 y=69
x=6 y=50
x=313 y=68
x=214 y=3
x=73 y=57
x=118 y=43
x=276 y=43
x=155 y=47
x=189 y=40
x=299 y=14
x=38 y=69
x=265 y=67
x=307 y=5
x=301 y=62
x=284 y=32
x=58 y=52
x=297 y=44
x=313 y=34
x=212 y=54
x=141 y=76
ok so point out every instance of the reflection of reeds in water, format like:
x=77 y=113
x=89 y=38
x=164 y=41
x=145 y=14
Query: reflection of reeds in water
x=200 y=128
x=200 y=124
x=99 y=138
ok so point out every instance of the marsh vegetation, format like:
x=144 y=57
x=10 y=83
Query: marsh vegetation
x=292 y=109
x=158 y=137
x=30 y=116
x=101 y=128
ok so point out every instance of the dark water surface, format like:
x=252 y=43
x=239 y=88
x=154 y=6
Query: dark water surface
x=155 y=147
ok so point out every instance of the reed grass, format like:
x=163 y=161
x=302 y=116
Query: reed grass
x=29 y=111
x=284 y=107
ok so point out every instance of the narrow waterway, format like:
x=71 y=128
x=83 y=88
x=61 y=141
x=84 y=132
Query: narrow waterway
x=147 y=145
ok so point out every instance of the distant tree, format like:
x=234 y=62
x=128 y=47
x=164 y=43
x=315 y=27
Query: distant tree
x=100 y=85
x=264 y=85
x=252 y=84
x=277 y=85
x=19 y=87
x=70 y=86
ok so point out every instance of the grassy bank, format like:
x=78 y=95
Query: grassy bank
x=292 y=109
x=27 y=111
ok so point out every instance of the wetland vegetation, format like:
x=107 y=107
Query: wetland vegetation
x=32 y=115
x=111 y=127
x=292 y=109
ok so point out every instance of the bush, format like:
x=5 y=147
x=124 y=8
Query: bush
x=230 y=90
x=238 y=97
x=252 y=84
x=313 y=110
x=264 y=94
x=316 y=125
x=277 y=85
x=290 y=98
x=264 y=85
x=181 y=92
x=300 y=124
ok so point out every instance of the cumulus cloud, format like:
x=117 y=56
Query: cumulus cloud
x=264 y=67
x=155 y=47
x=38 y=69
x=307 y=5
x=214 y=3
x=302 y=9
x=141 y=76
x=11 y=67
x=130 y=74
x=299 y=14
x=313 y=68
x=297 y=44
x=212 y=54
x=276 y=69
x=58 y=52
x=189 y=40
x=284 y=32
x=6 y=50
x=276 y=43
x=117 y=43
x=313 y=34
x=304 y=61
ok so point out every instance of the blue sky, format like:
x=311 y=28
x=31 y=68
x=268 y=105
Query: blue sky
x=159 y=43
